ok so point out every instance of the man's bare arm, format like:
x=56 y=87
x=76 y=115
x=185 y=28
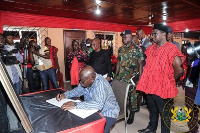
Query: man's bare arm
x=178 y=67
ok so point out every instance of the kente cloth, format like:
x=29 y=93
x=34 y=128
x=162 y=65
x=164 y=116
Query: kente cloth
x=158 y=75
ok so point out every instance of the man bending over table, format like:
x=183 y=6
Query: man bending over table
x=98 y=94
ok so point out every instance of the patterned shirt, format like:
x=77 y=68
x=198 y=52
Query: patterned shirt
x=99 y=96
x=81 y=56
x=158 y=75
x=128 y=58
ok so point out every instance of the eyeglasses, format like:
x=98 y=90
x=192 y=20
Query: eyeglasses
x=83 y=82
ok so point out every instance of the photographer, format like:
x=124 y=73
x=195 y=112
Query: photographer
x=40 y=59
x=28 y=73
x=13 y=68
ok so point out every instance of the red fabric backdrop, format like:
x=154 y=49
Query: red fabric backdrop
x=23 y=19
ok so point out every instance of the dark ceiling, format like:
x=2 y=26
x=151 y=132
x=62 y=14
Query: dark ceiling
x=129 y=12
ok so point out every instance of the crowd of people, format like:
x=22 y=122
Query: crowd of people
x=154 y=68
x=21 y=59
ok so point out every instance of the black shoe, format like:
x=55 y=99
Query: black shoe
x=138 y=109
x=131 y=117
x=143 y=103
x=146 y=130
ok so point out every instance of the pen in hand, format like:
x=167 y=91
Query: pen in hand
x=60 y=96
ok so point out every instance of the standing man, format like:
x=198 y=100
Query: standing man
x=130 y=61
x=98 y=94
x=143 y=40
x=163 y=66
x=40 y=58
x=14 y=70
x=27 y=67
x=170 y=37
x=100 y=60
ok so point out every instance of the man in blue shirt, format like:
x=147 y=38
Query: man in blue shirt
x=97 y=93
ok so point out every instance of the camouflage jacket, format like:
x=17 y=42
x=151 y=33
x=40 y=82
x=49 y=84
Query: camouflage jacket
x=128 y=58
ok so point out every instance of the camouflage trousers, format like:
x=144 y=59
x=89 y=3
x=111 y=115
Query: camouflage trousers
x=134 y=99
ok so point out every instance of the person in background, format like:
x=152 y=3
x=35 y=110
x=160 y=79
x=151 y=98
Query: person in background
x=98 y=94
x=163 y=67
x=144 y=41
x=54 y=59
x=27 y=63
x=13 y=70
x=170 y=38
x=191 y=85
x=100 y=60
x=76 y=61
x=40 y=59
x=130 y=62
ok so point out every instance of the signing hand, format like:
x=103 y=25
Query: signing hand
x=67 y=106
x=59 y=96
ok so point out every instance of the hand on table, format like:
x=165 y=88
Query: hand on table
x=67 y=106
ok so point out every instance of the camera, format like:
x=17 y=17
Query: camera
x=193 y=50
x=7 y=56
x=83 y=43
x=36 y=48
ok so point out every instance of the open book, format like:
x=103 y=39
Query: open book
x=83 y=113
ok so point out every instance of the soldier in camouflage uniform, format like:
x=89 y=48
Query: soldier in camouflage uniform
x=130 y=61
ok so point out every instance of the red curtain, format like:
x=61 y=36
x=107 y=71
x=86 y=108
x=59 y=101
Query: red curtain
x=23 y=19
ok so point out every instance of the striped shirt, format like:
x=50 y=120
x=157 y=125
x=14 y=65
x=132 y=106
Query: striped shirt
x=99 y=96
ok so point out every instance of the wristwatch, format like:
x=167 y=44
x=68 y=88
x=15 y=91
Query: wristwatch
x=74 y=105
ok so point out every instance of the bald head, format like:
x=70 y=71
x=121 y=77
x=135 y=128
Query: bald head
x=96 y=44
x=87 y=76
x=87 y=72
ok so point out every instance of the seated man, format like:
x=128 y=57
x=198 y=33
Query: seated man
x=97 y=93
